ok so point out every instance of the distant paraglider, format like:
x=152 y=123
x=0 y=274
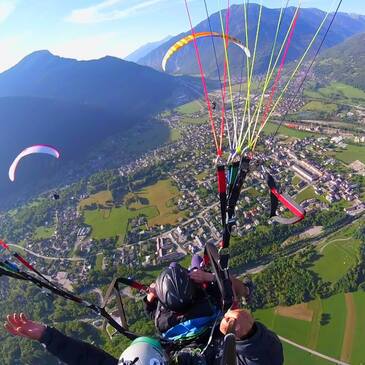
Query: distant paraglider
x=190 y=38
x=39 y=148
x=56 y=196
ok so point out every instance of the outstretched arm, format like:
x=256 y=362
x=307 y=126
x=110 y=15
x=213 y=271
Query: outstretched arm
x=67 y=349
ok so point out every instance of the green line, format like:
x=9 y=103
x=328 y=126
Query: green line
x=258 y=110
x=248 y=74
x=252 y=67
x=292 y=76
x=270 y=72
x=228 y=73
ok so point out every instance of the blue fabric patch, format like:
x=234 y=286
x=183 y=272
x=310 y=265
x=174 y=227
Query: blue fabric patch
x=191 y=328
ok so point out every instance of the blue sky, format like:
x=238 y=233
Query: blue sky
x=87 y=29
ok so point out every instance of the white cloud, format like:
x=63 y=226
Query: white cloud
x=107 y=10
x=91 y=47
x=6 y=8
x=12 y=50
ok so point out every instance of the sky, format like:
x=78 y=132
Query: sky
x=90 y=29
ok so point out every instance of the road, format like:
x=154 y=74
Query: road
x=47 y=257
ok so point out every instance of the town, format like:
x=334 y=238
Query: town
x=303 y=168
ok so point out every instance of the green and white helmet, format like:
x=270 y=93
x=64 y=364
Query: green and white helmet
x=144 y=351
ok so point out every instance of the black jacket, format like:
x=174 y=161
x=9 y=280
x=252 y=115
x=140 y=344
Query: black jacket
x=262 y=348
x=205 y=303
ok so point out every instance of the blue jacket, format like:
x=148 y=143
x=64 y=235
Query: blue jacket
x=262 y=348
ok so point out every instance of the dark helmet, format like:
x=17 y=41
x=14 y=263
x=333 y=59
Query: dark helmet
x=174 y=288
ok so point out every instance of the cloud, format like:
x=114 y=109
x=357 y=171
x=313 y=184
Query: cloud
x=6 y=8
x=91 y=47
x=12 y=50
x=107 y=10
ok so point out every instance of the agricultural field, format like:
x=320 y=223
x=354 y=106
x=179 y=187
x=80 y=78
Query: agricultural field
x=202 y=176
x=100 y=198
x=296 y=180
x=342 y=93
x=99 y=262
x=42 y=233
x=190 y=108
x=318 y=106
x=340 y=247
x=330 y=326
x=113 y=222
x=351 y=153
x=196 y=121
x=307 y=193
x=175 y=135
x=160 y=196
x=270 y=128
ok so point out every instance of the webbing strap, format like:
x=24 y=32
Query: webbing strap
x=287 y=201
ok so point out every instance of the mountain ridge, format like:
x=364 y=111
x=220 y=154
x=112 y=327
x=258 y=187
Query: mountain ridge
x=184 y=61
x=142 y=51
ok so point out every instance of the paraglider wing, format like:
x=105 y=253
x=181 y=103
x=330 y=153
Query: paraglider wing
x=39 y=148
x=190 y=38
x=287 y=201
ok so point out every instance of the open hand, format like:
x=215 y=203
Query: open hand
x=20 y=325
x=241 y=321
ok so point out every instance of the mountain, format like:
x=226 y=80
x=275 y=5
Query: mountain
x=184 y=62
x=121 y=87
x=75 y=105
x=344 y=62
x=145 y=49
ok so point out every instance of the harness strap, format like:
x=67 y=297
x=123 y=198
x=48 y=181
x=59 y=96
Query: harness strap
x=287 y=201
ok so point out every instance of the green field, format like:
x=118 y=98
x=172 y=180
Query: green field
x=175 y=135
x=99 y=262
x=351 y=153
x=43 y=233
x=342 y=251
x=331 y=334
x=160 y=196
x=358 y=348
x=202 y=176
x=293 y=329
x=190 y=108
x=295 y=356
x=113 y=222
x=337 y=91
x=296 y=180
x=319 y=106
x=340 y=248
x=307 y=193
x=196 y=121
x=102 y=197
x=270 y=128
x=325 y=333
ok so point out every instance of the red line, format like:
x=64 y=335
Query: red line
x=278 y=76
x=289 y=204
x=219 y=151
x=224 y=78
x=2 y=243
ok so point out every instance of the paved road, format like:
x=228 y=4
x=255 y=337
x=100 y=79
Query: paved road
x=47 y=257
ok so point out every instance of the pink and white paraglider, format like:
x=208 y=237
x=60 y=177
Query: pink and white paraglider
x=39 y=148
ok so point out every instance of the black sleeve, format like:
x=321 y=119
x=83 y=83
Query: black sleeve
x=150 y=308
x=74 y=352
x=262 y=348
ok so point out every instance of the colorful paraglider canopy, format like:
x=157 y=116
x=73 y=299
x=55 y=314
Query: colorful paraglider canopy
x=39 y=148
x=190 y=38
